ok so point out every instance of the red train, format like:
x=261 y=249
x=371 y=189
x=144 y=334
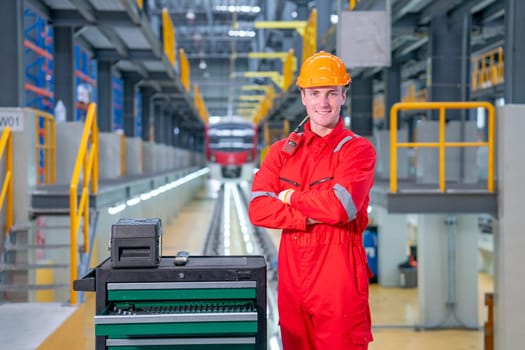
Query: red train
x=231 y=149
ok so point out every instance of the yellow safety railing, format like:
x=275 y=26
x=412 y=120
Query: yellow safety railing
x=310 y=36
x=199 y=104
x=288 y=69
x=353 y=3
x=184 y=70
x=441 y=144
x=168 y=37
x=270 y=135
x=411 y=95
x=45 y=148
x=289 y=66
x=297 y=25
x=487 y=69
x=378 y=107
x=265 y=106
x=6 y=147
x=422 y=95
x=267 y=140
x=87 y=163
x=275 y=76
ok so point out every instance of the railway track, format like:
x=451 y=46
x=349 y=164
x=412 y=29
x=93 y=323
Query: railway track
x=231 y=233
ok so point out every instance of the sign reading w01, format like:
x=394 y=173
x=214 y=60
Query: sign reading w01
x=13 y=119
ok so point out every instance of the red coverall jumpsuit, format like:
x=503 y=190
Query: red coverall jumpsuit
x=322 y=268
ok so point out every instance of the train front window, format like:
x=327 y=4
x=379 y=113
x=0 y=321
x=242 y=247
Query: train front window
x=231 y=140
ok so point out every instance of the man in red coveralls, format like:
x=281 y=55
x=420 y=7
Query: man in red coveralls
x=315 y=187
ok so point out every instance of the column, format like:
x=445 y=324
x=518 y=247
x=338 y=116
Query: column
x=170 y=115
x=302 y=15
x=158 y=120
x=448 y=271
x=146 y=94
x=449 y=60
x=514 y=52
x=130 y=80
x=392 y=247
x=105 y=96
x=509 y=241
x=361 y=94
x=12 y=52
x=324 y=12
x=166 y=115
x=64 y=72
x=392 y=78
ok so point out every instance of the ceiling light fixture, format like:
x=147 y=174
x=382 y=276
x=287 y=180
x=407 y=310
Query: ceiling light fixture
x=190 y=15
x=242 y=33
x=240 y=9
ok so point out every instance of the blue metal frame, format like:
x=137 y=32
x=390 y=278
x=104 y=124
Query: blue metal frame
x=138 y=114
x=38 y=68
x=118 y=104
x=85 y=76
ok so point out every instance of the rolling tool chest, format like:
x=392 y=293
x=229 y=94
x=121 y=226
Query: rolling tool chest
x=211 y=302
x=145 y=301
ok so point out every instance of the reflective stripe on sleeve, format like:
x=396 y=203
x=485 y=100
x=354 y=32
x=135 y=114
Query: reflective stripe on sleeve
x=341 y=143
x=262 y=194
x=346 y=200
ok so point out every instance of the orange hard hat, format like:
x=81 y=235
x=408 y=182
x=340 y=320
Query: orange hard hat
x=323 y=69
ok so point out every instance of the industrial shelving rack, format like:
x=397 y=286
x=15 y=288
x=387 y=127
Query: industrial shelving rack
x=118 y=103
x=85 y=81
x=38 y=58
x=138 y=113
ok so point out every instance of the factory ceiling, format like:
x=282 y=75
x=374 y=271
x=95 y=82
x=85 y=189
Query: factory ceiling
x=218 y=36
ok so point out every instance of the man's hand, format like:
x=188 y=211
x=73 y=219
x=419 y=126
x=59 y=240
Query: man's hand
x=286 y=195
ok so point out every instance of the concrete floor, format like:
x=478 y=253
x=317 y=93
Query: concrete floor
x=394 y=310
x=24 y=326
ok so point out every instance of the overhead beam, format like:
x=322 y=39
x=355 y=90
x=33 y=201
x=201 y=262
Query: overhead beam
x=85 y=9
x=75 y=18
x=134 y=54
x=268 y=55
x=115 y=40
x=276 y=77
x=39 y=7
x=251 y=97
x=256 y=87
x=295 y=25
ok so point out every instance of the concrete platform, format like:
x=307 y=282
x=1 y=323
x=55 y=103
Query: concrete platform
x=26 y=325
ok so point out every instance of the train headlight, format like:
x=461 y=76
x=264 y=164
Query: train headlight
x=249 y=157
x=212 y=158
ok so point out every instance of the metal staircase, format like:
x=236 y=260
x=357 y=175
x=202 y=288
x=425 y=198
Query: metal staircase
x=24 y=267
x=51 y=233
x=35 y=263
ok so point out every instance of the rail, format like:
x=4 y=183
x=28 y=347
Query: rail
x=87 y=160
x=310 y=36
x=229 y=233
x=45 y=147
x=352 y=4
x=6 y=147
x=441 y=144
x=488 y=69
